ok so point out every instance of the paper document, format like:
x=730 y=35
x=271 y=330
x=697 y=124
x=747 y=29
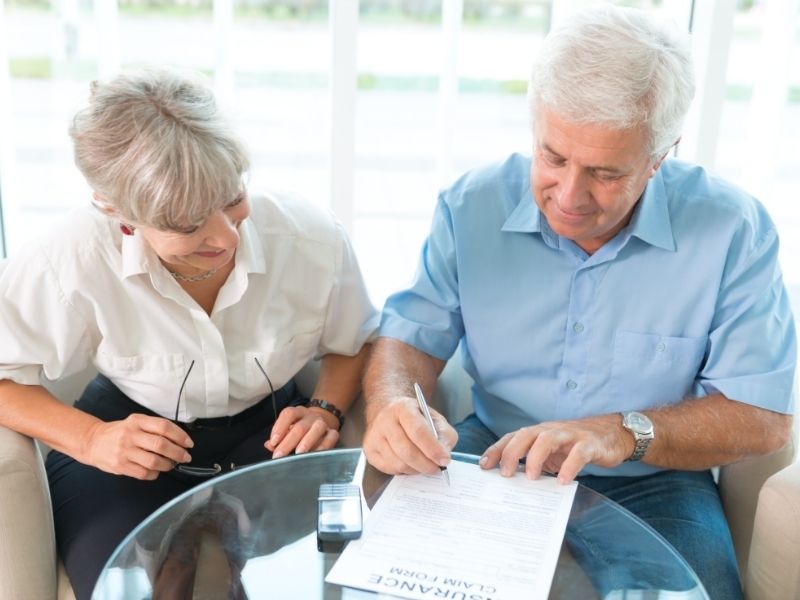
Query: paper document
x=486 y=537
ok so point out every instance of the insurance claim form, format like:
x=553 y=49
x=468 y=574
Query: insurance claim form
x=486 y=537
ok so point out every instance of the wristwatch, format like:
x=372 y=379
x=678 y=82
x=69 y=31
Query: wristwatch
x=325 y=405
x=642 y=429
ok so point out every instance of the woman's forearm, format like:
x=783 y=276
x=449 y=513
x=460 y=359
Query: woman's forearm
x=339 y=380
x=33 y=411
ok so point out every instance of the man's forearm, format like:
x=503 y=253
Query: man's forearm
x=704 y=432
x=392 y=369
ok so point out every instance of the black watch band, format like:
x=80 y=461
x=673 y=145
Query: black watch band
x=325 y=405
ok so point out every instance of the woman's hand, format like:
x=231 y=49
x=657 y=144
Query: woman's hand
x=139 y=446
x=302 y=429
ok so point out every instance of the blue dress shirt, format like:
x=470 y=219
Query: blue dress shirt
x=687 y=299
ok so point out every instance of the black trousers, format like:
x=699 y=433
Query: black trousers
x=94 y=510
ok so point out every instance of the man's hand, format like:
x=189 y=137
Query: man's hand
x=139 y=446
x=562 y=447
x=399 y=440
x=302 y=429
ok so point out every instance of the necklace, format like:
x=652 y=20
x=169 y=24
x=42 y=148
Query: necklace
x=194 y=278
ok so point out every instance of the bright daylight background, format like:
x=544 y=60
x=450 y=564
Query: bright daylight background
x=403 y=94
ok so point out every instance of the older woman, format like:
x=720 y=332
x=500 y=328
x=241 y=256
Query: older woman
x=196 y=302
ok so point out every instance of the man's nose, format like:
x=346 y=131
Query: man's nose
x=571 y=189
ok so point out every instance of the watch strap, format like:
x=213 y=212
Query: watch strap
x=325 y=405
x=642 y=444
x=641 y=439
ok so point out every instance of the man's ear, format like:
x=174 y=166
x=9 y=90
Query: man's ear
x=657 y=164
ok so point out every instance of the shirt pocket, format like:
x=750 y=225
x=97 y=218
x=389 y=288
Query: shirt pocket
x=152 y=380
x=650 y=369
x=281 y=364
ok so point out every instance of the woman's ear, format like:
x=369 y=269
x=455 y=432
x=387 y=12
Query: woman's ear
x=104 y=207
x=111 y=212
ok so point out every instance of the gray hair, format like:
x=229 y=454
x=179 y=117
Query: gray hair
x=154 y=147
x=619 y=67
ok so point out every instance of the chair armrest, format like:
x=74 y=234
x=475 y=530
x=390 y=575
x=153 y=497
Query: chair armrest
x=306 y=378
x=27 y=541
x=352 y=432
x=453 y=397
x=739 y=486
x=773 y=571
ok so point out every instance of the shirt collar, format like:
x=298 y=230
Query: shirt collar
x=525 y=218
x=135 y=256
x=650 y=221
x=250 y=253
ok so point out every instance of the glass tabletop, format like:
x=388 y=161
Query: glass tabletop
x=252 y=534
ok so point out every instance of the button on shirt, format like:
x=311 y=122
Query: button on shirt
x=92 y=295
x=686 y=300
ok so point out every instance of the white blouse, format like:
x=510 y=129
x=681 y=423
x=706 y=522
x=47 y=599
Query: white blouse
x=90 y=294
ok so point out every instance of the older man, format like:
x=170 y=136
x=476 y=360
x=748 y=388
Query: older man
x=622 y=313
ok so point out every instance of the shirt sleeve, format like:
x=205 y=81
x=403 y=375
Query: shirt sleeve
x=40 y=332
x=752 y=345
x=351 y=319
x=427 y=315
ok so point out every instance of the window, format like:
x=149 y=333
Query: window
x=372 y=107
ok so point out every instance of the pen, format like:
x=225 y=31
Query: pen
x=423 y=408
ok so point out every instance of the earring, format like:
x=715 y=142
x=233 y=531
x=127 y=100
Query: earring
x=126 y=229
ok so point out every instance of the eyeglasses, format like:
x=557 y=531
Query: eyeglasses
x=216 y=468
x=271 y=390
x=187 y=469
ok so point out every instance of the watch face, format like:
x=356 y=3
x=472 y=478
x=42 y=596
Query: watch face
x=638 y=422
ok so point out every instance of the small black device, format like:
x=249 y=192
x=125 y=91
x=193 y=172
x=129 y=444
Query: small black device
x=338 y=516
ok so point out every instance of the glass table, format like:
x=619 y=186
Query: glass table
x=252 y=534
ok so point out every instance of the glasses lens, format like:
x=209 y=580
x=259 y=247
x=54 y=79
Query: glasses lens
x=199 y=471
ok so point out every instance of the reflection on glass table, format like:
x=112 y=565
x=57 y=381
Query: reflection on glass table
x=252 y=534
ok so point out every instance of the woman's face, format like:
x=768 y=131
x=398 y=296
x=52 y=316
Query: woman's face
x=210 y=246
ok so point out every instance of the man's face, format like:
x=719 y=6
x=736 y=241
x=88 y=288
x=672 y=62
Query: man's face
x=586 y=179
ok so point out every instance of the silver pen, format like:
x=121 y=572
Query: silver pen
x=423 y=407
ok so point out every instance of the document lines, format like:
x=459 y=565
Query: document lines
x=486 y=537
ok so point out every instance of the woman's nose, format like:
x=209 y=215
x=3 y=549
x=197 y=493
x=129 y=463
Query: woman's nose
x=223 y=232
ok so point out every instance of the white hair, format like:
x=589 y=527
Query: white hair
x=154 y=147
x=619 y=67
